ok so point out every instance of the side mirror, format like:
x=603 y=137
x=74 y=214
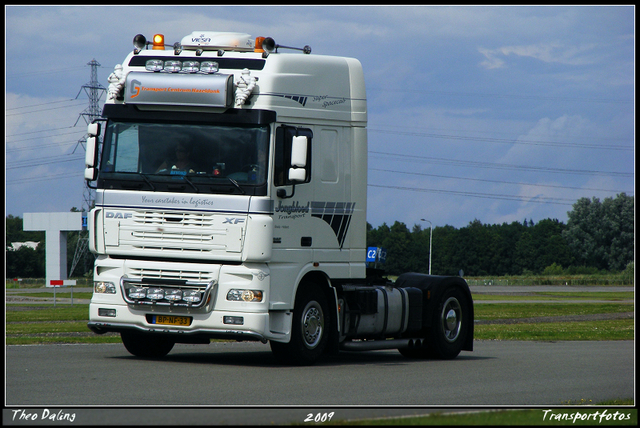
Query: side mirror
x=298 y=166
x=90 y=174
x=91 y=154
x=297 y=175
x=297 y=172
x=299 y=152
x=90 y=157
x=93 y=129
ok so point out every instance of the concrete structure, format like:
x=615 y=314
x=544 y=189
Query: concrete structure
x=56 y=227
x=15 y=246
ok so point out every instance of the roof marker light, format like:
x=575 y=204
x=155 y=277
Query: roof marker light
x=258 y=45
x=158 y=41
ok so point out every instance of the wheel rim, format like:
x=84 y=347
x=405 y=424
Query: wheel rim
x=312 y=324
x=451 y=319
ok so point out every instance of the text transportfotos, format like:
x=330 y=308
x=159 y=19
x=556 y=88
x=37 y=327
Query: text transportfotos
x=598 y=416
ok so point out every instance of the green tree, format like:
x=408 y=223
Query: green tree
x=619 y=235
x=601 y=235
x=550 y=246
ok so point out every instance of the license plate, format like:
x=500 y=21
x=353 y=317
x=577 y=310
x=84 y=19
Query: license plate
x=170 y=320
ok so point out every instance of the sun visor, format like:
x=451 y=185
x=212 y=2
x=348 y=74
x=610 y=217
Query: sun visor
x=206 y=90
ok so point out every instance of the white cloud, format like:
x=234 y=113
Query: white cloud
x=553 y=52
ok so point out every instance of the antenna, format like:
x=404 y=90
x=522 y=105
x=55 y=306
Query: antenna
x=94 y=91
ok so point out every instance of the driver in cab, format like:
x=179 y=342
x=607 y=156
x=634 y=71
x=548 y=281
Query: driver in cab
x=181 y=162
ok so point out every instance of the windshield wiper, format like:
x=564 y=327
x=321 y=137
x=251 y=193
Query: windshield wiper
x=191 y=183
x=153 y=188
x=235 y=183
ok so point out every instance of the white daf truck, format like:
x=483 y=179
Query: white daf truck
x=231 y=194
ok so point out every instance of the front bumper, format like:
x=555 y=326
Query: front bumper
x=255 y=326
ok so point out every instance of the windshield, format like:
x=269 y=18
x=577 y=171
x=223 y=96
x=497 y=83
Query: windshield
x=195 y=153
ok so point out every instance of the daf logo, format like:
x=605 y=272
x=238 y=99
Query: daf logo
x=233 y=220
x=117 y=214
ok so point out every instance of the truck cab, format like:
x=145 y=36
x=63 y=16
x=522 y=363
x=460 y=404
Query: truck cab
x=231 y=184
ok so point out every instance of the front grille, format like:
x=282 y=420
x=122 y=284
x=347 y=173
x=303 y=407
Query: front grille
x=170 y=274
x=173 y=218
x=186 y=234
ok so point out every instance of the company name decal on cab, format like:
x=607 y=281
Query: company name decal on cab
x=137 y=88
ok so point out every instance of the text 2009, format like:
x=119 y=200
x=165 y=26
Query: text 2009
x=319 y=417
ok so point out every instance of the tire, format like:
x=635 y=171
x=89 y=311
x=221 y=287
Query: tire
x=309 y=331
x=146 y=345
x=449 y=328
x=450 y=325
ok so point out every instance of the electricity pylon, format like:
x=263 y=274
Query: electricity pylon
x=94 y=91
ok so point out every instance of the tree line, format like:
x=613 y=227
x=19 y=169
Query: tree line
x=598 y=236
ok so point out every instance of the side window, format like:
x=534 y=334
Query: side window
x=284 y=138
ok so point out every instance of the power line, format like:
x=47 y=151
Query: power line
x=515 y=96
x=36 y=132
x=42 y=178
x=35 y=73
x=44 y=109
x=505 y=141
x=45 y=136
x=497 y=181
x=45 y=162
x=540 y=200
x=41 y=104
x=494 y=131
x=476 y=164
x=20 y=149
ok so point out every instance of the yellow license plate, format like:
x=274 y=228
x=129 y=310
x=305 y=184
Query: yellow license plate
x=170 y=320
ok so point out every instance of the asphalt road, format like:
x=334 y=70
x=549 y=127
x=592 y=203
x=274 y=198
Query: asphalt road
x=240 y=383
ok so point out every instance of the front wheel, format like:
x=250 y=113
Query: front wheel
x=309 y=331
x=146 y=345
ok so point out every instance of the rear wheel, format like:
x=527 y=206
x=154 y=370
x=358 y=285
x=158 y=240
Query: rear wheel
x=146 y=345
x=449 y=328
x=450 y=325
x=309 y=331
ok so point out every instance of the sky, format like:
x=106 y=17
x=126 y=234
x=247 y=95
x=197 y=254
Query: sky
x=489 y=113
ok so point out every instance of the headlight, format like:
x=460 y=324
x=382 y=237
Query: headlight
x=103 y=287
x=235 y=295
x=137 y=293
x=192 y=296
x=173 y=295
x=155 y=293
